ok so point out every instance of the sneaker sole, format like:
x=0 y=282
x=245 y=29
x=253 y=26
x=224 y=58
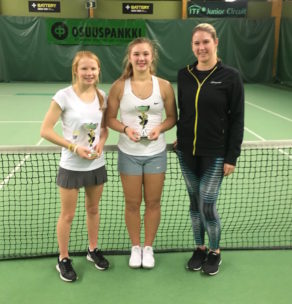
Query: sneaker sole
x=91 y=260
x=62 y=278
x=193 y=269
x=148 y=267
x=135 y=266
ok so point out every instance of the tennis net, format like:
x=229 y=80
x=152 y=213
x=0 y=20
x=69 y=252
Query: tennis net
x=255 y=204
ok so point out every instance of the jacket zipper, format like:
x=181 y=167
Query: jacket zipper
x=200 y=84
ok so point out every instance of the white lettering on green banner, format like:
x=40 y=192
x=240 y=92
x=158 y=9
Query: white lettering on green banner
x=93 y=31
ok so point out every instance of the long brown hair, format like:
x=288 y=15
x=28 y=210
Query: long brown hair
x=79 y=55
x=128 y=68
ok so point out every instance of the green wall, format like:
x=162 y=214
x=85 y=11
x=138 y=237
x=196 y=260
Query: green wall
x=246 y=44
x=287 y=9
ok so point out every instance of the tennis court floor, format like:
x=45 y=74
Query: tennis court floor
x=245 y=276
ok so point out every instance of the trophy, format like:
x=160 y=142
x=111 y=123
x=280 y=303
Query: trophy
x=143 y=119
x=90 y=127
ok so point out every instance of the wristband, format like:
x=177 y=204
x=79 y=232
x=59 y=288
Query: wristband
x=71 y=147
x=125 y=128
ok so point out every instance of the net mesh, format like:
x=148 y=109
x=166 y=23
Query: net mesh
x=255 y=204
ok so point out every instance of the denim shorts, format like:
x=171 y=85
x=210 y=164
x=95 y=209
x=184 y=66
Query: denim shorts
x=139 y=165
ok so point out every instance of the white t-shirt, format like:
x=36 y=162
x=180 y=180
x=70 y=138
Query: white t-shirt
x=132 y=116
x=81 y=125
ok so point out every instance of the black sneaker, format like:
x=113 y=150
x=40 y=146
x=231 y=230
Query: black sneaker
x=67 y=273
x=211 y=266
x=100 y=261
x=197 y=259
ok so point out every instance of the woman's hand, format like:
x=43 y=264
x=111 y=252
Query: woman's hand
x=98 y=149
x=174 y=144
x=154 y=133
x=85 y=152
x=228 y=169
x=132 y=134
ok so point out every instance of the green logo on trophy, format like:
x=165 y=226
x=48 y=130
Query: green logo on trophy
x=143 y=119
x=90 y=127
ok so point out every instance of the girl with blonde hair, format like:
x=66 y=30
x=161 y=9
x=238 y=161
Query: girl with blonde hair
x=141 y=98
x=81 y=107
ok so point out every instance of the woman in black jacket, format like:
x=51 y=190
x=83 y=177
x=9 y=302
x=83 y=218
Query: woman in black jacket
x=209 y=137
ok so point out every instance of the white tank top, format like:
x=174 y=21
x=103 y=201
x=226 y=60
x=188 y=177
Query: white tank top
x=136 y=112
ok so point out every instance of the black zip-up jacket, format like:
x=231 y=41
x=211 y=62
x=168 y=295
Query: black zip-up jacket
x=211 y=112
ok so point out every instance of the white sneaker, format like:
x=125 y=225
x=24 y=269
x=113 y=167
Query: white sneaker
x=148 y=257
x=136 y=257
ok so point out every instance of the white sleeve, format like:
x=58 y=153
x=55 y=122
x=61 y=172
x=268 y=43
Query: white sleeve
x=60 y=99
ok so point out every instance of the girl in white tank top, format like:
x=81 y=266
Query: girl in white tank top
x=141 y=99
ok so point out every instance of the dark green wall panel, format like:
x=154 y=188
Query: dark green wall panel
x=26 y=55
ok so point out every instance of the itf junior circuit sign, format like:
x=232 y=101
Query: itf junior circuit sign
x=217 y=9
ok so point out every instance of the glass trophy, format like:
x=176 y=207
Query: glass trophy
x=143 y=120
x=90 y=128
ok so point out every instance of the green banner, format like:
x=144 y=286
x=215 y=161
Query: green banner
x=94 y=31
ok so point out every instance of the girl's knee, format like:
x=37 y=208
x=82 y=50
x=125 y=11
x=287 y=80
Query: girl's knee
x=132 y=206
x=92 y=210
x=152 y=205
x=210 y=211
x=66 y=218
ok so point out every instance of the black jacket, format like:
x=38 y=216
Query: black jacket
x=211 y=112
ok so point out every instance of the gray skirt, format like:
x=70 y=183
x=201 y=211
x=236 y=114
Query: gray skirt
x=77 y=179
